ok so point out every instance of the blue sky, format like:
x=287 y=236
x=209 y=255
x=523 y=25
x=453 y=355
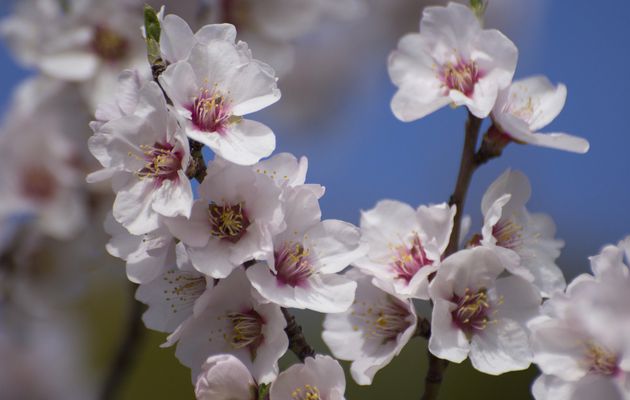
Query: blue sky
x=363 y=154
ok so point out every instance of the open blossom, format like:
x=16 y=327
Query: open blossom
x=319 y=378
x=234 y=323
x=76 y=40
x=224 y=377
x=582 y=342
x=479 y=315
x=40 y=173
x=213 y=89
x=527 y=106
x=233 y=221
x=176 y=294
x=405 y=245
x=523 y=241
x=145 y=155
x=123 y=103
x=302 y=270
x=372 y=332
x=288 y=172
x=146 y=256
x=452 y=60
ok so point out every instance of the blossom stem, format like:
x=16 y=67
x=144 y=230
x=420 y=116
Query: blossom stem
x=127 y=350
x=297 y=342
x=470 y=161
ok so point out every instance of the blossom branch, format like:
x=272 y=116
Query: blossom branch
x=297 y=342
x=129 y=346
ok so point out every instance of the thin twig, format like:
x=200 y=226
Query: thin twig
x=129 y=347
x=297 y=341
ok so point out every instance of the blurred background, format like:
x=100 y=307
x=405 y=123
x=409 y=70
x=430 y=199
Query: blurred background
x=64 y=300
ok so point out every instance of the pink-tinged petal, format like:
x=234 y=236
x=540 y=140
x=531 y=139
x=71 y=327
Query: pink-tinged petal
x=560 y=141
x=217 y=62
x=268 y=286
x=454 y=24
x=180 y=84
x=176 y=39
x=500 y=348
x=411 y=61
x=213 y=259
x=132 y=207
x=252 y=89
x=496 y=55
x=510 y=182
x=210 y=32
x=447 y=341
x=335 y=245
x=174 y=197
x=224 y=377
x=326 y=293
x=436 y=224
x=244 y=142
x=417 y=99
x=558 y=350
x=194 y=231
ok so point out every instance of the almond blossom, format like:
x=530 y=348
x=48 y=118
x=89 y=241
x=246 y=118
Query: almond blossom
x=145 y=155
x=79 y=41
x=372 y=332
x=213 y=89
x=574 y=345
x=527 y=106
x=234 y=323
x=452 y=60
x=524 y=242
x=319 y=378
x=233 y=221
x=478 y=314
x=301 y=271
x=40 y=168
x=224 y=377
x=405 y=245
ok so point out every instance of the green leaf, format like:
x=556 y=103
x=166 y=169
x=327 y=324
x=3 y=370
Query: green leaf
x=263 y=391
x=152 y=29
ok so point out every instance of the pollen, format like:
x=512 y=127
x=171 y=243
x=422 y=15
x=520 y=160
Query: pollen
x=229 y=221
x=473 y=312
x=306 y=392
x=461 y=76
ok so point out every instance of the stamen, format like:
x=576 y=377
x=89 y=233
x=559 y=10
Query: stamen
x=600 y=360
x=473 y=311
x=246 y=330
x=293 y=264
x=409 y=260
x=461 y=76
x=185 y=289
x=228 y=222
x=306 y=392
x=211 y=112
x=384 y=320
x=162 y=162
x=508 y=233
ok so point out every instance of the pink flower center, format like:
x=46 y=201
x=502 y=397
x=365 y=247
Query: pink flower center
x=109 y=45
x=293 y=264
x=600 y=360
x=229 y=221
x=162 y=162
x=508 y=233
x=461 y=76
x=383 y=321
x=38 y=184
x=409 y=260
x=473 y=311
x=211 y=112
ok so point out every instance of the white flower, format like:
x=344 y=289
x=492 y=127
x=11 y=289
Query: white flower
x=234 y=323
x=405 y=245
x=301 y=271
x=527 y=106
x=176 y=294
x=452 y=60
x=146 y=155
x=40 y=173
x=582 y=343
x=77 y=40
x=147 y=256
x=224 y=377
x=478 y=314
x=123 y=103
x=319 y=378
x=372 y=332
x=234 y=220
x=524 y=242
x=213 y=89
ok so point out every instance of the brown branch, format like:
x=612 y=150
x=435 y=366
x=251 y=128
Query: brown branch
x=491 y=147
x=423 y=328
x=130 y=345
x=197 y=166
x=297 y=342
